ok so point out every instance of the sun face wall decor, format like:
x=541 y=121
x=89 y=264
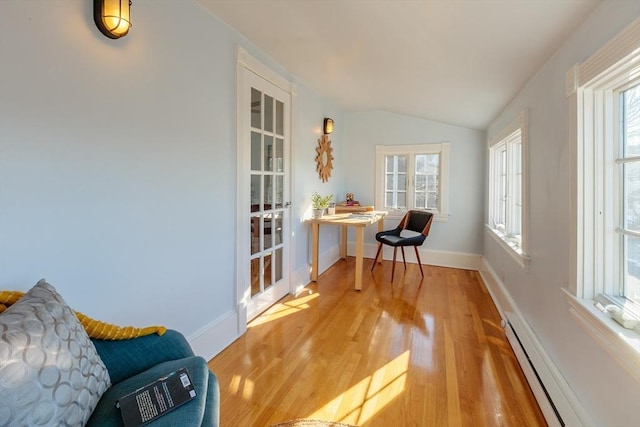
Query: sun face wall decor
x=324 y=158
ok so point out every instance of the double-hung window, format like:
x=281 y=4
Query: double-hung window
x=605 y=96
x=413 y=177
x=507 y=220
x=628 y=196
x=628 y=190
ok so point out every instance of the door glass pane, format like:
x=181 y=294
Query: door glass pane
x=255 y=152
x=255 y=276
x=268 y=225
x=256 y=109
x=268 y=153
x=279 y=191
x=268 y=191
x=278 y=264
x=279 y=118
x=268 y=113
x=279 y=155
x=255 y=234
x=267 y=271
x=256 y=193
x=277 y=228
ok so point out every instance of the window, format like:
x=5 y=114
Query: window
x=605 y=96
x=627 y=232
x=506 y=188
x=413 y=177
x=614 y=229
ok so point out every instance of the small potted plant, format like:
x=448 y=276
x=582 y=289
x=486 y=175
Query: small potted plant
x=320 y=203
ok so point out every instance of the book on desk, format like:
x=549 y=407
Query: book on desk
x=349 y=207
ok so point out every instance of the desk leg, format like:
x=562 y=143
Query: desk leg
x=315 y=231
x=343 y=245
x=359 y=255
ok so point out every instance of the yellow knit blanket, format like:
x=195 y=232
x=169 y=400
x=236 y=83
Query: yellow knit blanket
x=95 y=328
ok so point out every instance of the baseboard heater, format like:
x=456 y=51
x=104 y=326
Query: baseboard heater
x=539 y=371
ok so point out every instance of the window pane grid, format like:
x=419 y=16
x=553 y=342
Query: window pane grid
x=507 y=181
x=395 y=182
x=629 y=193
x=426 y=187
x=413 y=177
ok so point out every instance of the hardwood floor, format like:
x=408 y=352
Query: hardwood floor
x=401 y=354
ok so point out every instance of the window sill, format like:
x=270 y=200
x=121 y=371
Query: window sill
x=516 y=252
x=623 y=344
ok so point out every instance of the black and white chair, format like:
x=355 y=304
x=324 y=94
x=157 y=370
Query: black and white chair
x=417 y=221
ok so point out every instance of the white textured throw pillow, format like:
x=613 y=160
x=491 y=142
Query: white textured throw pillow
x=50 y=372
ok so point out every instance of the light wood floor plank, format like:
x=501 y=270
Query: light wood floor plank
x=419 y=352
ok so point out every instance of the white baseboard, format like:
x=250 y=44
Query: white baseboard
x=427 y=256
x=547 y=379
x=216 y=336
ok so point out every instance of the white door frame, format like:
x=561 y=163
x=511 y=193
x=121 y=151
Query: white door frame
x=243 y=292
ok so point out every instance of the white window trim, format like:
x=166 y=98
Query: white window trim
x=519 y=254
x=442 y=148
x=621 y=54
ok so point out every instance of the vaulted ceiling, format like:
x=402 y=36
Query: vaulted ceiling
x=454 y=61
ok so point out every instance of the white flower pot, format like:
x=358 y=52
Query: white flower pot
x=318 y=213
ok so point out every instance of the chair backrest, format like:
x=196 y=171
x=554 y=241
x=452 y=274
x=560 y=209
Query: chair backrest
x=418 y=221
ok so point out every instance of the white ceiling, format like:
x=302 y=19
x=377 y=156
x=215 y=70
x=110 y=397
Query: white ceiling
x=454 y=61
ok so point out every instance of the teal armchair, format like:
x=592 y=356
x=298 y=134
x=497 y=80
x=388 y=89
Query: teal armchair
x=136 y=362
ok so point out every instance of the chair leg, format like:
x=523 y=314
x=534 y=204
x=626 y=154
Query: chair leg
x=404 y=261
x=393 y=267
x=375 y=261
x=419 y=262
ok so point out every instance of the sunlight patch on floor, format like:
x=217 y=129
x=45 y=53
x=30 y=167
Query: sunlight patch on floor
x=280 y=310
x=238 y=386
x=364 y=400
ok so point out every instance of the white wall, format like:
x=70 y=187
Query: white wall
x=310 y=114
x=462 y=233
x=118 y=160
x=607 y=394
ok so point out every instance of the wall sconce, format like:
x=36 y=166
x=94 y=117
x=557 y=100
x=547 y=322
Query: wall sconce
x=327 y=127
x=112 y=17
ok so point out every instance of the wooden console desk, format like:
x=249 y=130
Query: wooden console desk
x=345 y=220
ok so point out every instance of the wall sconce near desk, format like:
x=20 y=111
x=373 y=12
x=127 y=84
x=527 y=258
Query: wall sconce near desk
x=324 y=157
x=327 y=127
x=112 y=17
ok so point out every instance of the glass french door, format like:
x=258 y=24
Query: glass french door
x=267 y=143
